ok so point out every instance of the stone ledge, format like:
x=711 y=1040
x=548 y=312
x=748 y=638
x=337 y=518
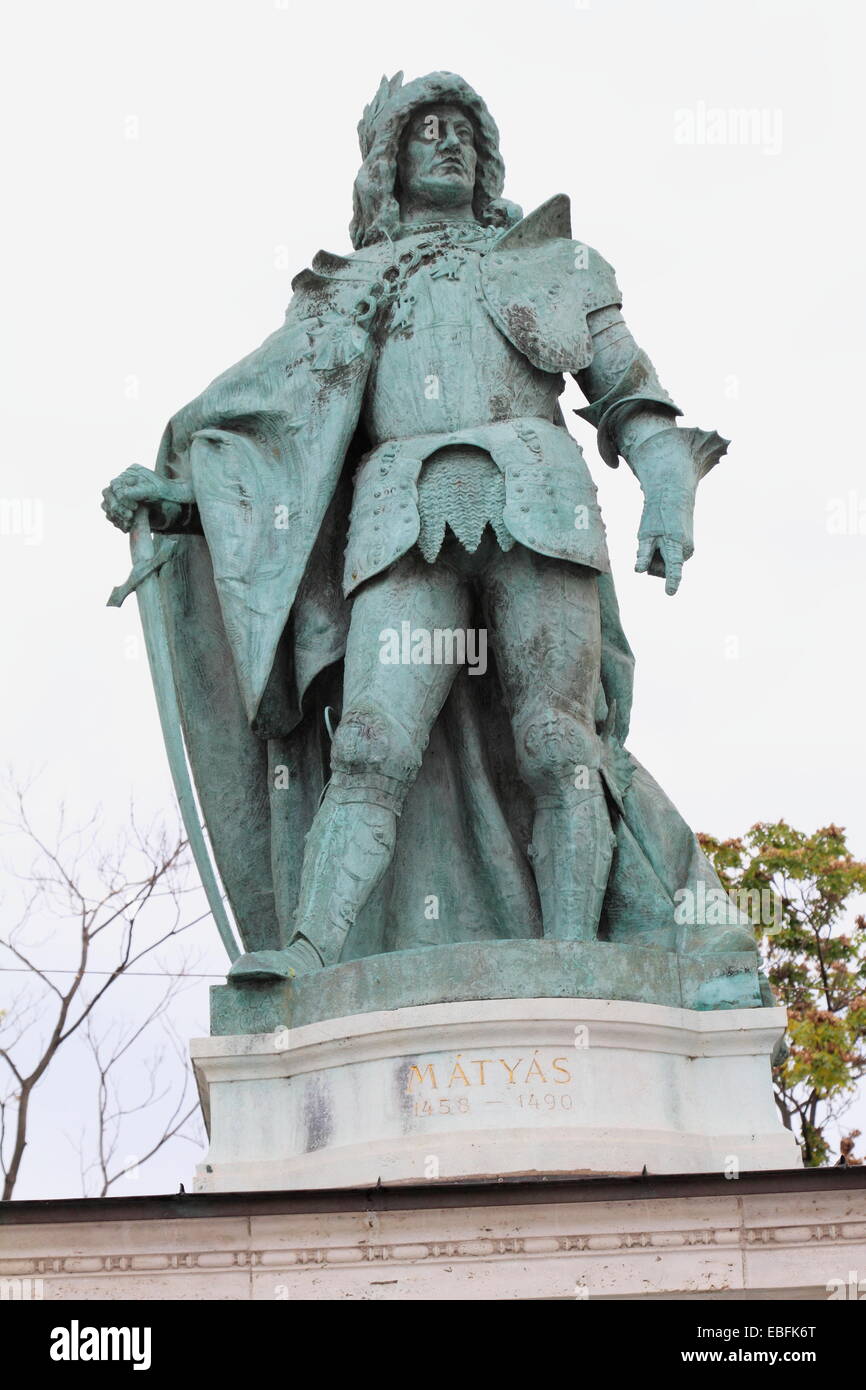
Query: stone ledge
x=489 y=970
x=560 y=1188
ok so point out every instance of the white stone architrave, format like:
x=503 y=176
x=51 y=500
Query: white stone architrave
x=493 y=1088
x=789 y=1235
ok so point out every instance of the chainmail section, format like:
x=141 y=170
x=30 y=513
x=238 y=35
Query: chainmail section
x=465 y=491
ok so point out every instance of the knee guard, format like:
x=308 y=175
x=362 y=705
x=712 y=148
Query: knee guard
x=556 y=752
x=373 y=759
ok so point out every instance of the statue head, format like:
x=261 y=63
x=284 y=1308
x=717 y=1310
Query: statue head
x=430 y=148
x=436 y=162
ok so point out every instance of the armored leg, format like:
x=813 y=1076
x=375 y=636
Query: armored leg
x=572 y=842
x=546 y=631
x=374 y=760
x=389 y=709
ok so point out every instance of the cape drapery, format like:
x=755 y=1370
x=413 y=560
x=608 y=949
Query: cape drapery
x=257 y=626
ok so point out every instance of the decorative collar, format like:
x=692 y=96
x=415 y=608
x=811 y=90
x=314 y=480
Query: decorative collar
x=454 y=230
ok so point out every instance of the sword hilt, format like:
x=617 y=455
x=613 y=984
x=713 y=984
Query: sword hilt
x=147 y=558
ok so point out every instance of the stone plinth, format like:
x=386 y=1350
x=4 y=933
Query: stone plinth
x=470 y=970
x=492 y=1088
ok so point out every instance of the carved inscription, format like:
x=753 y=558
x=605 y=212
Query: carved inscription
x=532 y=1082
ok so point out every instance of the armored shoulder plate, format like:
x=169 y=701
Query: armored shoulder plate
x=335 y=284
x=539 y=286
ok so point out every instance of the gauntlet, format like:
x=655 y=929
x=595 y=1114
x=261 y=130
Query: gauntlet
x=669 y=465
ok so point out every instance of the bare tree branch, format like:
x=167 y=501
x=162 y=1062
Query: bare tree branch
x=103 y=909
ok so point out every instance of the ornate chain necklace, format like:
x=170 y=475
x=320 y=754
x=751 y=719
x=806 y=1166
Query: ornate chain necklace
x=451 y=231
x=391 y=284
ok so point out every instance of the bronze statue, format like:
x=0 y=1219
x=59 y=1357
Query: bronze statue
x=386 y=485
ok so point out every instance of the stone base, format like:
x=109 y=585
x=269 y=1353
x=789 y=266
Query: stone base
x=492 y=1088
x=469 y=970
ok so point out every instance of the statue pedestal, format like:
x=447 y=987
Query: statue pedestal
x=479 y=1089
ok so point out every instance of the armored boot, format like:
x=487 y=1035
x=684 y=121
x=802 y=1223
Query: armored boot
x=571 y=857
x=347 y=851
x=350 y=844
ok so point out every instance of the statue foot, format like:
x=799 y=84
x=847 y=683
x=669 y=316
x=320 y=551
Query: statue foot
x=300 y=958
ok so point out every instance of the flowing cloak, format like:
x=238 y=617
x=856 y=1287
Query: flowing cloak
x=257 y=624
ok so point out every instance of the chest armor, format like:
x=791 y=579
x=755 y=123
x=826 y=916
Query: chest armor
x=441 y=363
x=470 y=352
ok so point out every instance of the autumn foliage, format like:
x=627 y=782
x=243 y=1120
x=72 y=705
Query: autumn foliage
x=815 y=959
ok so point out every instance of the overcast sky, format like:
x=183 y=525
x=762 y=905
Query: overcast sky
x=170 y=166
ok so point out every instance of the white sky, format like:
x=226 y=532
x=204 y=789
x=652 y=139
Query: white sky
x=169 y=166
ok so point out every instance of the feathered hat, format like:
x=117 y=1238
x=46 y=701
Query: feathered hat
x=376 y=212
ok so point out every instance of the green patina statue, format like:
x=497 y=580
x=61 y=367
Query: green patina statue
x=393 y=632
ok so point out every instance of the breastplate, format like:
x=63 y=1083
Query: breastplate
x=441 y=363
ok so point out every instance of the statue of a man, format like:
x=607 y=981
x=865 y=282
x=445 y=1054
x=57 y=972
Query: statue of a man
x=460 y=803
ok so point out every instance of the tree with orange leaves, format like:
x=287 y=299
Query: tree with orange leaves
x=816 y=965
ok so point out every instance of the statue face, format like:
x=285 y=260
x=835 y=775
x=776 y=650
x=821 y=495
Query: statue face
x=437 y=159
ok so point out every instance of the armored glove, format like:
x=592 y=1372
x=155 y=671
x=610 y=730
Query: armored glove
x=669 y=465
